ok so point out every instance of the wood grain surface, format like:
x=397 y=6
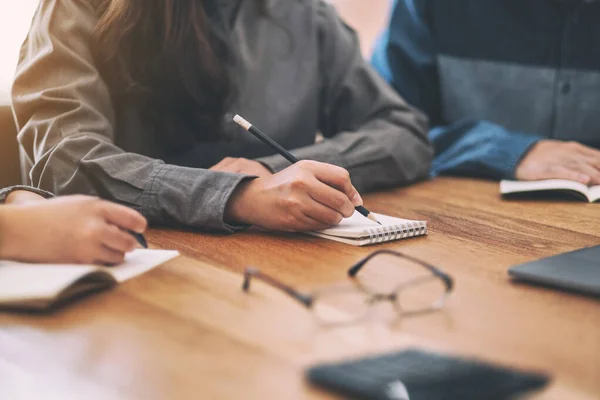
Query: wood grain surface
x=187 y=331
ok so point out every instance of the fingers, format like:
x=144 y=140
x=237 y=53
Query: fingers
x=590 y=171
x=331 y=198
x=591 y=161
x=311 y=224
x=322 y=214
x=336 y=177
x=562 y=172
x=104 y=256
x=588 y=151
x=123 y=217
x=118 y=240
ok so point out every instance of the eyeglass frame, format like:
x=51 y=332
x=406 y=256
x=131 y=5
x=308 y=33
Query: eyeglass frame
x=308 y=299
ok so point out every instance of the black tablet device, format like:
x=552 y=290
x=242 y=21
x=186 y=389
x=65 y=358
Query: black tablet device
x=576 y=271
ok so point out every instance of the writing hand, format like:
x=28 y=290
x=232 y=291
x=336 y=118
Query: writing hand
x=71 y=229
x=308 y=195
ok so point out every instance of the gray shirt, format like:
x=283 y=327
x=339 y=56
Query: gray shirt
x=301 y=75
x=6 y=191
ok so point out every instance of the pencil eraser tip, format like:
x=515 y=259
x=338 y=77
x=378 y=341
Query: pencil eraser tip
x=242 y=122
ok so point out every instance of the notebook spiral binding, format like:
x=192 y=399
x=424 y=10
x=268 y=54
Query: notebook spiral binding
x=389 y=233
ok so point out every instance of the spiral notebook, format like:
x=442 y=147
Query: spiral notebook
x=360 y=231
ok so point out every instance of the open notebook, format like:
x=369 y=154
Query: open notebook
x=360 y=231
x=41 y=286
x=590 y=193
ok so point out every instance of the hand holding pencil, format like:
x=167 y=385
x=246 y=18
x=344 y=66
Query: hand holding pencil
x=308 y=195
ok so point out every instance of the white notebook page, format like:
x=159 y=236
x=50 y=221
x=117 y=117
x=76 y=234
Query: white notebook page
x=358 y=226
x=45 y=281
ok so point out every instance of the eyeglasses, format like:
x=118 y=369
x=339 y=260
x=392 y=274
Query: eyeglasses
x=422 y=288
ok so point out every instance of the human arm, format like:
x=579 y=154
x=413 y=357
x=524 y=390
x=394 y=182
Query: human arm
x=68 y=129
x=368 y=129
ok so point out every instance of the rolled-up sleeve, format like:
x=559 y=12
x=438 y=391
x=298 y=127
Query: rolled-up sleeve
x=67 y=130
x=368 y=128
x=6 y=191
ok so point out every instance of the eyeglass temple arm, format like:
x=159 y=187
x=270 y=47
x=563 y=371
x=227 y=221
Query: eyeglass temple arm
x=305 y=299
x=355 y=269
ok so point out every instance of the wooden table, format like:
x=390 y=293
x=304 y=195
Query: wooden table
x=187 y=331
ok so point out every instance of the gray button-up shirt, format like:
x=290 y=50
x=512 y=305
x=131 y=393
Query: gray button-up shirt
x=300 y=72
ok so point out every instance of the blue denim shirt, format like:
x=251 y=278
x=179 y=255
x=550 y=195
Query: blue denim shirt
x=496 y=76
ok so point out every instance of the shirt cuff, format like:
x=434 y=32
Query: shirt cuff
x=521 y=145
x=5 y=192
x=191 y=197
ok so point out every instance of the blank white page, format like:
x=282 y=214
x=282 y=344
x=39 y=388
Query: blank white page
x=358 y=226
x=22 y=281
x=139 y=261
x=507 y=187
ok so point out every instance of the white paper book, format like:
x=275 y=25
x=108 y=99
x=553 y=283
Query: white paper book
x=40 y=286
x=590 y=193
x=360 y=231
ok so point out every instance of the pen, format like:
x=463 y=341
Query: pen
x=140 y=239
x=287 y=155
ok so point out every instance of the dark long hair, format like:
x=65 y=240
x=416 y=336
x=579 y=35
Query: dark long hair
x=164 y=58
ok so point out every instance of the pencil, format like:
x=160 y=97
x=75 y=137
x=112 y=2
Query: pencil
x=287 y=155
x=139 y=238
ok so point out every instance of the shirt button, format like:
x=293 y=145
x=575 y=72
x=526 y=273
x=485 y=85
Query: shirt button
x=566 y=88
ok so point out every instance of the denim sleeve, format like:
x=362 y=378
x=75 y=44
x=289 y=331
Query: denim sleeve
x=479 y=148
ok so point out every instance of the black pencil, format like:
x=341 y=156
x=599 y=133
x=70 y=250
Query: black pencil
x=139 y=238
x=287 y=155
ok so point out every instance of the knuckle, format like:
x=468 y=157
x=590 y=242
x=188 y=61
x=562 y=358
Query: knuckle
x=92 y=231
x=342 y=203
x=300 y=183
x=100 y=207
x=293 y=204
x=290 y=222
x=306 y=164
x=343 y=178
x=344 y=174
x=339 y=201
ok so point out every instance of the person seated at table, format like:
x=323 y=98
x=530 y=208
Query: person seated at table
x=512 y=88
x=70 y=229
x=134 y=102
